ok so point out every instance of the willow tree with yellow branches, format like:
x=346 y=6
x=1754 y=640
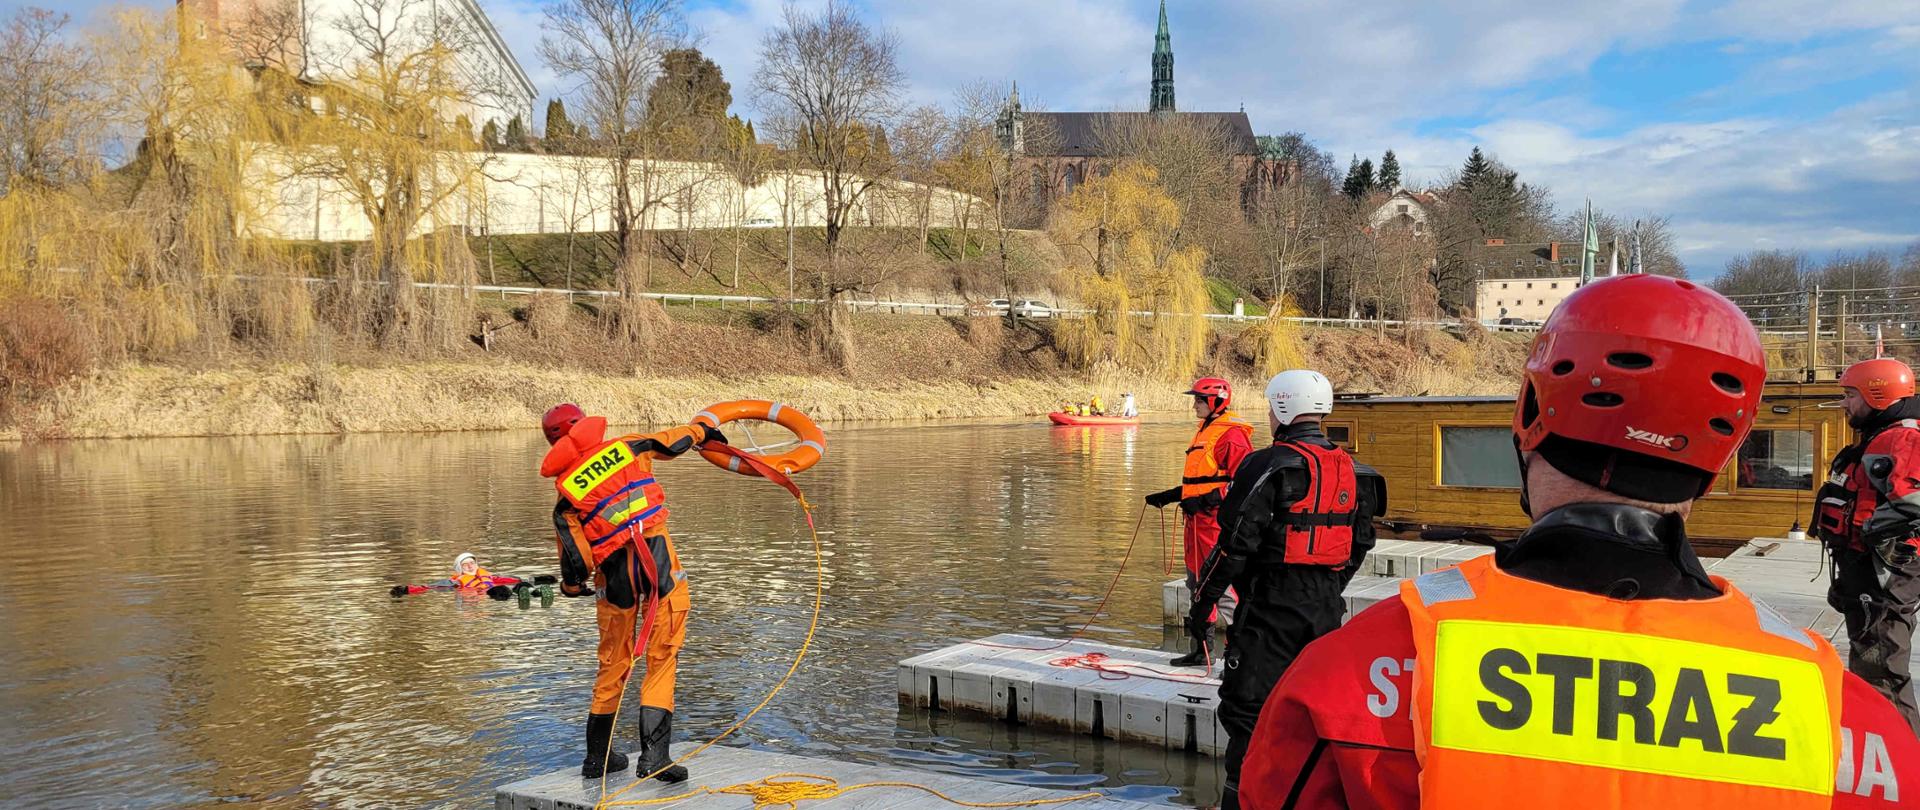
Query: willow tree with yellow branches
x=391 y=137
x=1121 y=232
x=150 y=254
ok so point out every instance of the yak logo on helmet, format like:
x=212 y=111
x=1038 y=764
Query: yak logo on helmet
x=1652 y=439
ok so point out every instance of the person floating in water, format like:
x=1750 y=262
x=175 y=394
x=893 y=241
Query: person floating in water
x=468 y=576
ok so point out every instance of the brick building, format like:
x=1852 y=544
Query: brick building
x=1059 y=151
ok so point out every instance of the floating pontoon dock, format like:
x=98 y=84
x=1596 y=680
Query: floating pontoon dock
x=719 y=767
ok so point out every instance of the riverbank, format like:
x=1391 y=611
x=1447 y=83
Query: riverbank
x=909 y=368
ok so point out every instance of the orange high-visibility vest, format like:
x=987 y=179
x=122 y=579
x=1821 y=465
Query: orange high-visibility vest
x=481 y=578
x=609 y=486
x=1203 y=473
x=1530 y=696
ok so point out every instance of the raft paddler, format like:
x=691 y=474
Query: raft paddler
x=1213 y=456
x=610 y=526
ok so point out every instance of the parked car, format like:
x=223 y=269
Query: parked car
x=762 y=222
x=1024 y=308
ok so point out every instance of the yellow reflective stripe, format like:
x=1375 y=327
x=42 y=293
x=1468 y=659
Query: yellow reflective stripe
x=635 y=504
x=1631 y=702
x=588 y=474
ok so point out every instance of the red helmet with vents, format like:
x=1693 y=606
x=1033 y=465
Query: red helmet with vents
x=1217 y=392
x=1651 y=365
x=1881 y=381
x=560 y=419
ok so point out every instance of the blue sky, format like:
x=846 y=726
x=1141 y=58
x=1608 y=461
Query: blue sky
x=1751 y=123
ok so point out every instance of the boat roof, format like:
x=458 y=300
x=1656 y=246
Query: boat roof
x=1450 y=400
x=1775 y=389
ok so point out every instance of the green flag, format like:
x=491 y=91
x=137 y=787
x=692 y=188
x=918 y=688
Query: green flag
x=1591 y=249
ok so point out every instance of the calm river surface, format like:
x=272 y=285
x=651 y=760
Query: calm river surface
x=191 y=622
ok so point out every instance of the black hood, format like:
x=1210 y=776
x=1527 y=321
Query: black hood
x=1611 y=550
x=1908 y=408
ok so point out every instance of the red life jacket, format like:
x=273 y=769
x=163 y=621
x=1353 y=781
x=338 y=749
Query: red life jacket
x=1320 y=525
x=609 y=486
x=1849 y=497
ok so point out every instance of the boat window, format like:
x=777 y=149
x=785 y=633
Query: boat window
x=1340 y=433
x=1478 y=457
x=1777 y=459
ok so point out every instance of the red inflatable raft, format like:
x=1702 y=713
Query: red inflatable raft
x=1075 y=420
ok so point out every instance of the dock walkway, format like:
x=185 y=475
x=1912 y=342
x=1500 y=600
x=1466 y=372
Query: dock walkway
x=720 y=767
x=1174 y=707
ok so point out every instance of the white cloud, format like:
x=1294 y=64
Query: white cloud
x=1512 y=73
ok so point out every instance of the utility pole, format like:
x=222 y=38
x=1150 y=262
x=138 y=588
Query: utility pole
x=1323 y=275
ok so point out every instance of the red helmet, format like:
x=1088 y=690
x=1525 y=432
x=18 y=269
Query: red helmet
x=1881 y=381
x=1217 y=392
x=1661 y=368
x=560 y=419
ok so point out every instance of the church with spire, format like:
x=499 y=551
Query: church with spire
x=1059 y=150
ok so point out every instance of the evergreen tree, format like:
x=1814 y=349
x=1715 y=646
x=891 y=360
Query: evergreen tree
x=1477 y=167
x=1367 y=184
x=1353 y=186
x=559 y=127
x=687 y=104
x=490 y=136
x=517 y=134
x=1389 y=179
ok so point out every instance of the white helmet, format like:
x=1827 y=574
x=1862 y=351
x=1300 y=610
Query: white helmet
x=461 y=560
x=1298 y=391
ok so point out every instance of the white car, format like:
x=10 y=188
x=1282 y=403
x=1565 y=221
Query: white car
x=762 y=222
x=1024 y=308
x=1029 y=308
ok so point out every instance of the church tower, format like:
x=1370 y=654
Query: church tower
x=1009 y=128
x=1162 y=97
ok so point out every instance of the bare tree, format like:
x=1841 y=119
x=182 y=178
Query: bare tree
x=46 y=107
x=391 y=140
x=269 y=34
x=614 y=50
x=983 y=164
x=830 y=82
x=919 y=142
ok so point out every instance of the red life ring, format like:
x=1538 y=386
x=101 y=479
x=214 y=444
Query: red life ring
x=812 y=442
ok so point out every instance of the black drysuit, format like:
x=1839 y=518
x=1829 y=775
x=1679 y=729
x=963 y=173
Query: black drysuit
x=1283 y=606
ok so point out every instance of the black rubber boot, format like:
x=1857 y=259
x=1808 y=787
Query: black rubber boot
x=1199 y=655
x=656 y=728
x=599 y=738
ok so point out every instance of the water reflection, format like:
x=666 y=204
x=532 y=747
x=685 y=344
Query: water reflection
x=202 y=621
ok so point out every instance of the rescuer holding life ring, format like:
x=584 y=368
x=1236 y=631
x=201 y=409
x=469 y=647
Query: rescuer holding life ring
x=1592 y=662
x=1212 y=457
x=611 y=527
x=1296 y=523
x=1868 y=515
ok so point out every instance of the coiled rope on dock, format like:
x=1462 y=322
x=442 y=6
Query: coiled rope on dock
x=787 y=790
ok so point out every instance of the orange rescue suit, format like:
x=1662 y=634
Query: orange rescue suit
x=1529 y=696
x=611 y=518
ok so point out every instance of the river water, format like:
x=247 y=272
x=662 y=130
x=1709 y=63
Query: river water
x=191 y=622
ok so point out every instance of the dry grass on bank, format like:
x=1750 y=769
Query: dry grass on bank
x=548 y=351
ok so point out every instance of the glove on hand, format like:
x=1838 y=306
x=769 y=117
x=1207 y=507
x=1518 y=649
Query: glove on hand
x=711 y=435
x=1201 y=503
x=1161 y=500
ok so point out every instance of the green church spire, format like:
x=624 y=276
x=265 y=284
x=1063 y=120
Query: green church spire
x=1161 y=97
x=1163 y=41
